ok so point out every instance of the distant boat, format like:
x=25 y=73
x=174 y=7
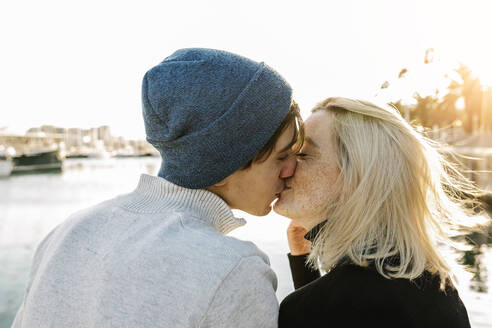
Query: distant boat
x=98 y=153
x=133 y=155
x=39 y=161
x=77 y=156
x=5 y=165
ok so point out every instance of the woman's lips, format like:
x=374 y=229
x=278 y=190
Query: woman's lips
x=286 y=188
x=280 y=193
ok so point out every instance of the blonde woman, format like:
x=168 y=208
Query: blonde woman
x=377 y=198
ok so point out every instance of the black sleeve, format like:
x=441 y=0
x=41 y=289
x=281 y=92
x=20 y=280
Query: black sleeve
x=301 y=273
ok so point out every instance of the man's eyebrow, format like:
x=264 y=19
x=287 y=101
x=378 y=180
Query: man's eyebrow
x=311 y=141
x=288 y=147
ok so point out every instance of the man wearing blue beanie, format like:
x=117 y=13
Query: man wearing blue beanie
x=159 y=256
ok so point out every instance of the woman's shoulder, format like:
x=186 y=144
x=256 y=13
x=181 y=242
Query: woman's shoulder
x=351 y=279
x=348 y=295
x=352 y=295
x=349 y=291
x=343 y=284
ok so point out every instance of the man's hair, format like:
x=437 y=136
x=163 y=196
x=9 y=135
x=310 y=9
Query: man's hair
x=293 y=118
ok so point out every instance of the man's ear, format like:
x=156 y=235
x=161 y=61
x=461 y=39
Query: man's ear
x=221 y=183
x=218 y=187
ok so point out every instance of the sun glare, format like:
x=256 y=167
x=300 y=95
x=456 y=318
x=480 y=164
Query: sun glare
x=478 y=59
x=485 y=75
x=482 y=69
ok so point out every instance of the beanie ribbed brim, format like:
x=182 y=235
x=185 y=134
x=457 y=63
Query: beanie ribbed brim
x=232 y=140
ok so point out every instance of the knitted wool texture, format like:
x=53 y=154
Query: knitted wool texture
x=208 y=112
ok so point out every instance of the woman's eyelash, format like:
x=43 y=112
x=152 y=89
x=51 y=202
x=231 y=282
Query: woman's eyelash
x=301 y=155
x=283 y=158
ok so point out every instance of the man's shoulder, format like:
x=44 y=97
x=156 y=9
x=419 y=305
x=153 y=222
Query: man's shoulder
x=101 y=209
x=218 y=244
x=166 y=229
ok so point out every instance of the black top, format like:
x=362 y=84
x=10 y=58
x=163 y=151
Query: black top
x=353 y=296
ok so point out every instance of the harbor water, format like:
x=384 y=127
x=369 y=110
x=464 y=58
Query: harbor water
x=33 y=204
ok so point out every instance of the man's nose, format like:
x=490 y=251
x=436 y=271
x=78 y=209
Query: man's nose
x=289 y=167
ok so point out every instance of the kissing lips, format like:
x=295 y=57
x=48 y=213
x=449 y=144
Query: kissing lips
x=284 y=189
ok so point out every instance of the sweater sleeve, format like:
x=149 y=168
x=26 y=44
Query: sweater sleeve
x=301 y=273
x=246 y=298
x=38 y=255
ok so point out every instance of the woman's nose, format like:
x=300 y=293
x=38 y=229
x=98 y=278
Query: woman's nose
x=289 y=167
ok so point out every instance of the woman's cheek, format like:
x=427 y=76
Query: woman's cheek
x=309 y=193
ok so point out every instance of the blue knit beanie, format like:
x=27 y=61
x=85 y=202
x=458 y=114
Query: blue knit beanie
x=209 y=112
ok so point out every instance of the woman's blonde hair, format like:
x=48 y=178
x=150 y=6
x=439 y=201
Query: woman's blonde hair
x=398 y=196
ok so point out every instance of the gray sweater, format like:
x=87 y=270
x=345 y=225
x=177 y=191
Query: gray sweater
x=156 y=257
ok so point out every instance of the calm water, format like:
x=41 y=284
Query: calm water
x=32 y=205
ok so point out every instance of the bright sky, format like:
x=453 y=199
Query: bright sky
x=80 y=63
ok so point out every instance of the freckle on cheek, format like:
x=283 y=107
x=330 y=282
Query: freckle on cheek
x=316 y=191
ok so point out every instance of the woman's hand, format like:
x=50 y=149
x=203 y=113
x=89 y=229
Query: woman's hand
x=297 y=243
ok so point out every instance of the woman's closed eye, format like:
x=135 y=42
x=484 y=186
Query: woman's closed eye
x=301 y=155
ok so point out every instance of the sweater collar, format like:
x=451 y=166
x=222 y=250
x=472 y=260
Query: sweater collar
x=155 y=194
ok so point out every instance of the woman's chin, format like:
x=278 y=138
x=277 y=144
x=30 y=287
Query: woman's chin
x=281 y=208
